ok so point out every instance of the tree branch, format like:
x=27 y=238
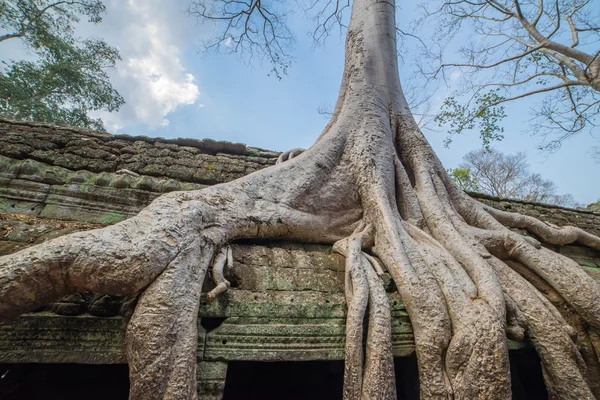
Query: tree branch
x=478 y=66
x=11 y=36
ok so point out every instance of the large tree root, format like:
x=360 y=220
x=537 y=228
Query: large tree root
x=364 y=287
x=162 y=333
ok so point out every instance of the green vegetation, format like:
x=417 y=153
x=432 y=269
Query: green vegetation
x=594 y=206
x=69 y=77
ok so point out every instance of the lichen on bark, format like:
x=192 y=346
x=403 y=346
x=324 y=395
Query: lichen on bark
x=372 y=186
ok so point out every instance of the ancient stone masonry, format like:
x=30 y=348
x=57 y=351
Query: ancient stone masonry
x=286 y=300
x=186 y=160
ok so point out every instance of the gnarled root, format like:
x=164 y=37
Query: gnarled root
x=465 y=234
x=453 y=261
x=121 y=259
x=547 y=233
x=224 y=257
x=288 y=155
x=364 y=287
x=162 y=335
x=563 y=366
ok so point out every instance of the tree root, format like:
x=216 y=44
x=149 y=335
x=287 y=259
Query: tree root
x=357 y=295
x=221 y=284
x=288 y=155
x=375 y=378
x=547 y=233
x=162 y=334
x=563 y=366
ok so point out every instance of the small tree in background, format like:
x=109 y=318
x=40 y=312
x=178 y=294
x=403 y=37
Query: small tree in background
x=594 y=206
x=463 y=178
x=506 y=176
x=68 y=79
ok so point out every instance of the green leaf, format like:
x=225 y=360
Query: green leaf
x=69 y=78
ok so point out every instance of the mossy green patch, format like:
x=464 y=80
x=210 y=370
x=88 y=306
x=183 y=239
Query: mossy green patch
x=12 y=206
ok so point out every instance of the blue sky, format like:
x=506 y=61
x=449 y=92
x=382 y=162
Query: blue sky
x=173 y=91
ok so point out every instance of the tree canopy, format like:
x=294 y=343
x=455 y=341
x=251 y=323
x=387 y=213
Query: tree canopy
x=68 y=78
x=544 y=51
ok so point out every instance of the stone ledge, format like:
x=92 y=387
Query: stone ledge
x=187 y=160
x=42 y=338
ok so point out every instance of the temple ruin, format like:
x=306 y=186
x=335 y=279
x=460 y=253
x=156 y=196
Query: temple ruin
x=283 y=319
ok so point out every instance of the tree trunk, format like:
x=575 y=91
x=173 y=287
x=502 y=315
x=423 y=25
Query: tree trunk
x=371 y=185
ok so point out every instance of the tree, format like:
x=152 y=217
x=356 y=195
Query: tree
x=69 y=78
x=545 y=51
x=371 y=185
x=463 y=178
x=506 y=176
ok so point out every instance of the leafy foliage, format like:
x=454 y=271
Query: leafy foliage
x=485 y=111
x=594 y=206
x=69 y=78
x=463 y=178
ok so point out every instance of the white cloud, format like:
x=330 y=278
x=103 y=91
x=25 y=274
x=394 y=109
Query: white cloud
x=111 y=126
x=455 y=75
x=165 y=123
x=201 y=105
x=151 y=77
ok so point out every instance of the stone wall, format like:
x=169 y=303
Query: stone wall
x=95 y=177
x=204 y=162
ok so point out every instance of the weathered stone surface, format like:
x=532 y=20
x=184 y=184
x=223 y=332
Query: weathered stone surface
x=74 y=174
x=280 y=339
x=211 y=382
x=104 y=198
x=189 y=160
x=48 y=338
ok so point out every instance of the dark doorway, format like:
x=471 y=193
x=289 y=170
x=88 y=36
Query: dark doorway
x=323 y=380
x=312 y=380
x=64 y=382
x=284 y=380
x=526 y=375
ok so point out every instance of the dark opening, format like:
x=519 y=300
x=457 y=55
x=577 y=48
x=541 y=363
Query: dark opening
x=526 y=375
x=323 y=380
x=284 y=380
x=210 y=324
x=313 y=380
x=64 y=382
